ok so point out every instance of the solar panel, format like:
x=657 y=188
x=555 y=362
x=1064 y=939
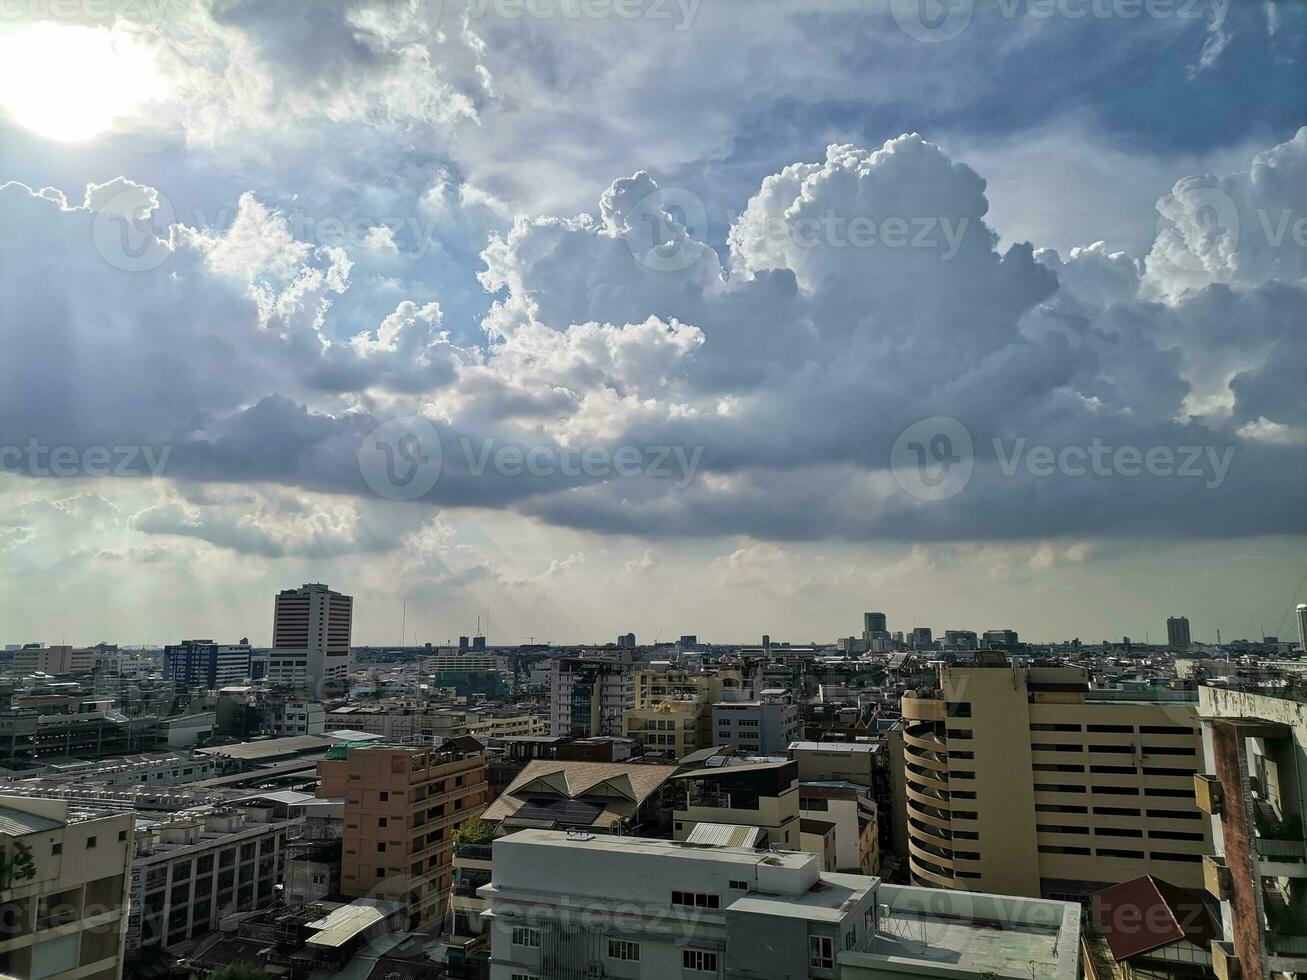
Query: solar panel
x=567 y=812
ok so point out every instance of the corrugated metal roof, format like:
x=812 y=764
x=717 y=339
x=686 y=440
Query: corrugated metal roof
x=724 y=835
x=16 y=823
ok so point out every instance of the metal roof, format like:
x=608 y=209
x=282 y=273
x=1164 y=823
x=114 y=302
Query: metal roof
x=16 y=822
x=724 y=835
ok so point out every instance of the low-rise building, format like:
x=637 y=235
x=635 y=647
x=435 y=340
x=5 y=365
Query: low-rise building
x=63 y=889
x=759 y=794
x=193 y=867
x=566 y=904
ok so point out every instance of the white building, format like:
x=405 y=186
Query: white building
x=64 y=893
x=766 y=726
x=195 y=866
x=630 y=907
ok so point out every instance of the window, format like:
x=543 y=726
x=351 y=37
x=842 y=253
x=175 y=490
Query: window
x=383 y=796
x=700 y=900
x=623 y=949
x=57 y=847
x=821 y=953
x=523 y=976
x=526 y=936
x=740 y=886
x=699 y=959
x=122 y=835
x=850 y=939
x=381 y=846
x=382 y=822
x=90 y=842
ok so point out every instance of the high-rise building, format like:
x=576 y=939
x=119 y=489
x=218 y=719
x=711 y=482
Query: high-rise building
x=207 y=664
x=1024 y=781
x=63 y=889
x=588 y=697
x=1302 y=626
x=1255 y=741
x=874 y=622
x=626 y=640
x=402 y=804
x=1177 y=633
x=311 y=638
x=999 y=639
x=921 y=637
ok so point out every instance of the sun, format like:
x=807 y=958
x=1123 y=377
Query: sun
x=70 y=83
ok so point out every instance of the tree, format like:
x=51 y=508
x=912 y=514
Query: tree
x=240 y=970
x=16 y=864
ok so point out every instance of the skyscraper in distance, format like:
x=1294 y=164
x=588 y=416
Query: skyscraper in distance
x=1177 y=633
x=1302 y=625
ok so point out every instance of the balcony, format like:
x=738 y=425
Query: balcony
x=1216 y=877
x=473 y=852
x=1208 y=794
x=1225 y=964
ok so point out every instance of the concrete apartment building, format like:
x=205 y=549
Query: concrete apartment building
x=38 y=727
x=63 y=896
x=59 y=659
x=1023 y=781
x=1255 y=741
x=588 y=696
x=672 y=715
x=765 y=726
x=311 y=638
x=195 y=866
x=401 y=804
x=629 y=907
x=203 y=663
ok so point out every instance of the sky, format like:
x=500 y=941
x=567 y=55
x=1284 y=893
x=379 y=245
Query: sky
x=723 y=317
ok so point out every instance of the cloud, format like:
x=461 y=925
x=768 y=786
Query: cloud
x=860 y=293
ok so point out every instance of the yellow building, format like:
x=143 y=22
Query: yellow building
x=672 y=716
x=1023 y=781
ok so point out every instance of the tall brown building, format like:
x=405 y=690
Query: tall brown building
x=402 y=803
x=1024 y=781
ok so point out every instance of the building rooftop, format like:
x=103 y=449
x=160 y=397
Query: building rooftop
x=16 y=823
x=827 y=901
x=270 y=748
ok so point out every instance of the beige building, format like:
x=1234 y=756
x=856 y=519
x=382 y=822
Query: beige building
x=53 y=660
x=495 y=724
x=401 y=805
x=672 y=716
x=1023 y=781
x=63 y=890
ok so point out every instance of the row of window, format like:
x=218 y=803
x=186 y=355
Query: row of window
x=626 y=950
